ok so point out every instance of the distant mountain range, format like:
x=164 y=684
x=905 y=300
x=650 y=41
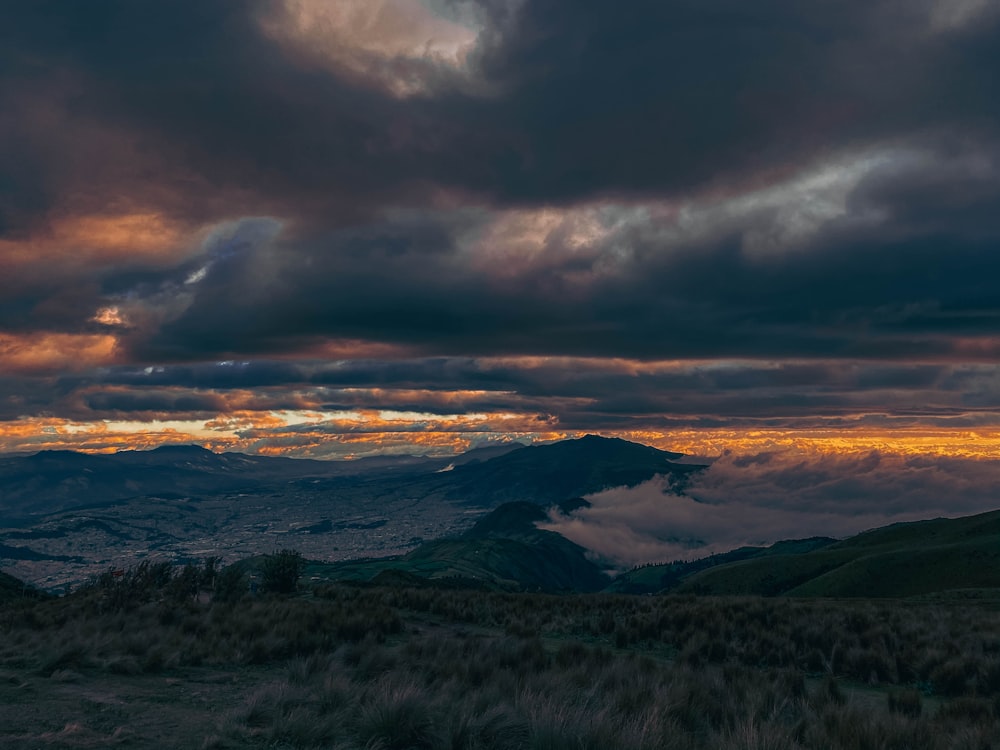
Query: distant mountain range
x=469 y=520
x=53 y=481
x=68 y=514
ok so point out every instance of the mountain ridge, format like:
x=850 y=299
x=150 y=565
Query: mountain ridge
x=181 y=501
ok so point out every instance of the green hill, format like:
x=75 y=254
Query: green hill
x=653 y=579
x=503 y=550
x=905 y=559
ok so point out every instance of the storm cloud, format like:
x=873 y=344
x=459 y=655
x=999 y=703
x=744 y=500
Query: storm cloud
x=653 y=218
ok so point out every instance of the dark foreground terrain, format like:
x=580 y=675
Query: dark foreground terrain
x=161 y=665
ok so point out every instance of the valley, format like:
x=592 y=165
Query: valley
x=91 y=513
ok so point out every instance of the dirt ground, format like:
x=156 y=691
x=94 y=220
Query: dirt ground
x=72 y=710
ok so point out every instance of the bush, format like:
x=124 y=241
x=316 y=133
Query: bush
x=230 y=584
x=281 y=571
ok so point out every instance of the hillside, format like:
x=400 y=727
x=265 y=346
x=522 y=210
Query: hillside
x=653 y=579
x=905 y=559
x=12 y=588
x=503 y=550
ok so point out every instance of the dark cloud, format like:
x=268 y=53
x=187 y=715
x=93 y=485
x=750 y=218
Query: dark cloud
x=758 y=500
x=563 y=101
x=851 y=287
x=805 y=197
x=580 y=395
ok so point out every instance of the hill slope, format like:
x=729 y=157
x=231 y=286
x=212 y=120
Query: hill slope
x=12 y=588
x=654 y=579
x=905 y=559
x=503 y=550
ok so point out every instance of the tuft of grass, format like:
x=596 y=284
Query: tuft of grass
x=396 y=716
x=905 y=701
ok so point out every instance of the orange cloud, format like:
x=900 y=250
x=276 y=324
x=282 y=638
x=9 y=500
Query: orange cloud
x=104 y=238
x=245 y=420
x=55 y=352
x=362 y=432
x=976 y=444
x=301 y=433
x=337 y=349
x=37 y=434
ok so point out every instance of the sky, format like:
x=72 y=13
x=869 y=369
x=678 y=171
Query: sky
x=329 y=229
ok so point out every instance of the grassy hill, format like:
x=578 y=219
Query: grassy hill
x=12 y=588
x=502 y=551
x=653 y=579
x=905 y=559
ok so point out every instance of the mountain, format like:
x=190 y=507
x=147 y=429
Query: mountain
x=504 y=550
x=548 y=474
x=901 y=560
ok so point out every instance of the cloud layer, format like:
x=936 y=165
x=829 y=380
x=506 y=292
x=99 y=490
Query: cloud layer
x=658 y=218
x=764 y=498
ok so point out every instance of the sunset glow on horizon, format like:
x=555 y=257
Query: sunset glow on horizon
x=413 y=226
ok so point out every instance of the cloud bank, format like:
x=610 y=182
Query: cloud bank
x=764 y=498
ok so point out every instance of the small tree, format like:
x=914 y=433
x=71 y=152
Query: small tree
x=281 y=571
x=183 y=586
x=230 y=584
x=209 y=572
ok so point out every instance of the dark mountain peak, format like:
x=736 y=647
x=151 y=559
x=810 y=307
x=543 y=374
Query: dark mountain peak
x=171 y=455
x=594 y=439
x=58 y=455
x=182 y=450
x=551 y=473
x=604 y=447
x=588 y=448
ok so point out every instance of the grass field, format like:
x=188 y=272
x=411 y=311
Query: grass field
x=396 y=668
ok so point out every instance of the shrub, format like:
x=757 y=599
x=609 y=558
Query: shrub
x=184 y=585
x=281 y=571
x=230 y=584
